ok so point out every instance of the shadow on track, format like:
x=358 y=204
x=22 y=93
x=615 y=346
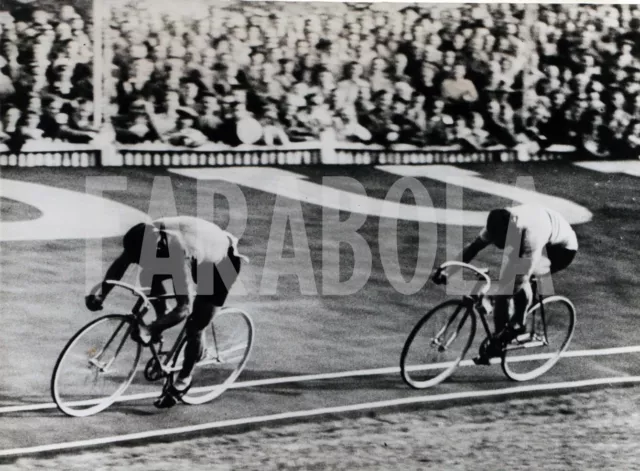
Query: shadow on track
x=392 y=382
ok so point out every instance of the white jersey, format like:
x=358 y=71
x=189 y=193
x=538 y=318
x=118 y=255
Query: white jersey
x=562 y=234
x=540 y=227
x=200 y=239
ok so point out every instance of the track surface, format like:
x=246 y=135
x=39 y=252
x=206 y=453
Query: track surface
x=43 y=284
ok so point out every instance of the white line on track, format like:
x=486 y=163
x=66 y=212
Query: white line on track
x=342 y=374
x=316 y=412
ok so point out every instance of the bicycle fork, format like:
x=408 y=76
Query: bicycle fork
x=436 y=341
x=95 y=360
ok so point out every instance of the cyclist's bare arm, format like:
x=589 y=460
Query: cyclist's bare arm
x=115 y=272
x=471 y=250
x=469 y=253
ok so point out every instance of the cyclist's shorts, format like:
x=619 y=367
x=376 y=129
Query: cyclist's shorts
x=215 y=280
x=559 y=257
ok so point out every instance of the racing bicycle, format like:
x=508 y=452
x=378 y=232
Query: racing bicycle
x=100 y=361
x=439 y=341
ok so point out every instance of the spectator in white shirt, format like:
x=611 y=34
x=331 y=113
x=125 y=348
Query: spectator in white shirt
x=349 y=129
x=349 y=89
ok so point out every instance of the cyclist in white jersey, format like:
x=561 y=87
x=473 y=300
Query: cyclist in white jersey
x=193 y=251
x=535 y=240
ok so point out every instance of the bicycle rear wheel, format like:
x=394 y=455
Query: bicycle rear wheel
x=96 y=366
x=437 y=344
x=551 y=324
x=227 y=345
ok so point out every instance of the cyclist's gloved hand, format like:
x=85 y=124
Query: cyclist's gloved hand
x=439 y=277
x=94 y=302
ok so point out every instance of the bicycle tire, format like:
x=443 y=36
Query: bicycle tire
x=223 y=359
x=558 y=320
x=73 y=402
x=408 y=366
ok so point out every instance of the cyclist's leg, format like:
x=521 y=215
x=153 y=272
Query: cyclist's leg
x=145 y=334
x=164 y=320
x=181 y=311
x=158 y=289
x=517 y=275
x=220 y=277
x=203 y=312
x=155 y=282
x=501 y=312
x=173 y=318
x=522 y=299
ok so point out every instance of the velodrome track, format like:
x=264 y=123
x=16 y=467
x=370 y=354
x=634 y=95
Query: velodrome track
x=313 y=352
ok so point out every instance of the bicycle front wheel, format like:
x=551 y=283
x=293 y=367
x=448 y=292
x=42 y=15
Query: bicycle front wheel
x=96 y=366
x=437 y=344
x=227 y=344
x=551 y=324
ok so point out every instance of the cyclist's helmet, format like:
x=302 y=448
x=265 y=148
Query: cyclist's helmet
x=498 y=226
x=136 y=236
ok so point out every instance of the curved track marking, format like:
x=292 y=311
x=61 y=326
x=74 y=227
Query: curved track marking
x=295 y=186
x=342 y=374
x=628 y=167
x=573 y=212
x=66 y=214
x=322 y=411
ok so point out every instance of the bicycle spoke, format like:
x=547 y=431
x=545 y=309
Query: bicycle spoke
x=226 y=350
x=551 y=326
x=437 y=344
x=96 y=366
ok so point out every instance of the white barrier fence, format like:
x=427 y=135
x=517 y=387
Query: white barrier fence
x=71 y=155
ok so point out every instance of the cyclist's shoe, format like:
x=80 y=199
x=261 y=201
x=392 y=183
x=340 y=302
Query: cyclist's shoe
x=144 y=336
x=489 y=348
x=173 y=393
x=482 y=360
x=165 y=401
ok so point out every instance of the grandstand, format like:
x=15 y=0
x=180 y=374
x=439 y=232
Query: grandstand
x=217 y=75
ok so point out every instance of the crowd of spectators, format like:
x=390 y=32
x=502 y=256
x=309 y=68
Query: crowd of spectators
x=45 y=77
x=471 y=76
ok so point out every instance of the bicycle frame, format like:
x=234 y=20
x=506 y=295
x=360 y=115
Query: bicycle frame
x=88 y=353
x=441 y=332
x=140 y=308
x=471 y=302
x=536 y=293
x=95 y=360
x=426 y=358
x=473 y=307
x=537 y=300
